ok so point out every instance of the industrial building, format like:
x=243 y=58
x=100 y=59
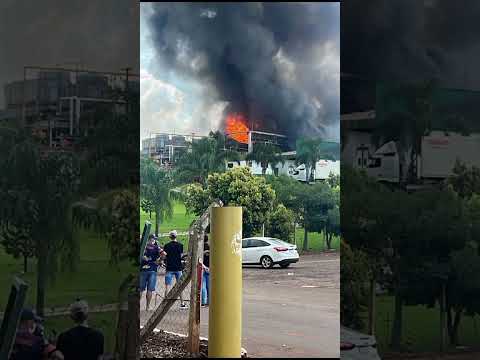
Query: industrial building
x=166 y=148
x=59 y=105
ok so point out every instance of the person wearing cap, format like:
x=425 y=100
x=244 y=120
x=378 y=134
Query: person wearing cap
x=81 y=342
x=149 y=267
x=206 y=272
x=29 y=344
x=174 y=251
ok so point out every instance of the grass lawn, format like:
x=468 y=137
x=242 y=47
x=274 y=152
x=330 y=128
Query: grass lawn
x=181 y=222
x=316 y=241
x=421 y=326
x=95 y=280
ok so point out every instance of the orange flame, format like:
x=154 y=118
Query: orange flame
x=236 y=128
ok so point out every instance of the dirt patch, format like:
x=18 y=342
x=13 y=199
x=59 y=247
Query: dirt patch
x=164 y=345
x=161 y=345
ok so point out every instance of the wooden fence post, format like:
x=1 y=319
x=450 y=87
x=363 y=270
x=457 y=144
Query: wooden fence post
x=199 y=227
x=371 y=307
x=11 y=316
x=132 y=350
x=123 y=317
x=194 y=318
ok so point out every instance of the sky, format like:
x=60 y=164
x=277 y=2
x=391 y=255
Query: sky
x=304 y=60
x=168 y=102
x=101 y=35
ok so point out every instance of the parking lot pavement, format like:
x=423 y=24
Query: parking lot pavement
x=291 y=312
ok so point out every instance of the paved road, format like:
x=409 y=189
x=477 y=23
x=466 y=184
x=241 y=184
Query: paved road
x=286 y=312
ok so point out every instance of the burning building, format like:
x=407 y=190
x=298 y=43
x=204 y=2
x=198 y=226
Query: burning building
x=243 y=138
x=262 y=59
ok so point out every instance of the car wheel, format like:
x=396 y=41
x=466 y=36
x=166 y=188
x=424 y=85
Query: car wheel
x=266 y=262
x=284 y=266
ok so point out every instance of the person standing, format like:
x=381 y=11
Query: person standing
x=206 y=273
x=149 y=267
x=81 y=342
x=31 y=344
x=174 y=252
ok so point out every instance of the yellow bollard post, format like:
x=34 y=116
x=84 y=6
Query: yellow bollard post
x=225 y=312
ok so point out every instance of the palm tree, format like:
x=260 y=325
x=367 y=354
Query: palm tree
x=204 y=157
x=40 y=187
x=113 y=215
x=266 y=154
x=156 y=185
x=310 y=151
x=409 y=122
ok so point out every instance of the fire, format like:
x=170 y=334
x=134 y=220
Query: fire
x=236 y=128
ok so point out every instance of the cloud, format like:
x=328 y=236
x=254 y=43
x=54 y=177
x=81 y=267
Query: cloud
x=273 y=62
x=166 y=108
x=102 y=35
x=161 y=106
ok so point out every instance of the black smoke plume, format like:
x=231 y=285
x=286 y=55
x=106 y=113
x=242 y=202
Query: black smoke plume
x=264 y=59
x=412 y=40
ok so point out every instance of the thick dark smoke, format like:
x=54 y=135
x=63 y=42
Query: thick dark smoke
x=264 y=59
x=101 y=35
x=412 y=40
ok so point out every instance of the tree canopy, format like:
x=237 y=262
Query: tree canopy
x=237 y=187
x=156 y=186
x=205 y=156
x=309 y=151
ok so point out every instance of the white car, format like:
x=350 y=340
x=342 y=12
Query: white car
x=357 y=346
x=268 y=251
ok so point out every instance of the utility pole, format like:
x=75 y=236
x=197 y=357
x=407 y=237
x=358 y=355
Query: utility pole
x=371 y=307
x=127 y=69
x=443 y=310
x=24 y=95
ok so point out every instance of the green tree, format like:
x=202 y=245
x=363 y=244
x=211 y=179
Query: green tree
x=237 y=187
x=147 y=206
x=110 y=152
x=463 y=289
x=45 y=183
x=310 y=203
x=333 y=180
x=410 y=121
x=205 y=156
x=310 y=151
x=354 y=272
x=280 y=223
x=17 y=240
x=266 y=154
x=465 y=180
x=114 y=215
x=332 y=226
x=156 y=186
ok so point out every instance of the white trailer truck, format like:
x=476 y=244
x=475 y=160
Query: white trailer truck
x=322 y=170
x=439 y=151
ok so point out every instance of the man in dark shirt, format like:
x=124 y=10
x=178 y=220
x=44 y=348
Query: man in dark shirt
x=206 y=273
x=81 y=342
x=149 y=267
x=29 y=343
x=174 y=251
